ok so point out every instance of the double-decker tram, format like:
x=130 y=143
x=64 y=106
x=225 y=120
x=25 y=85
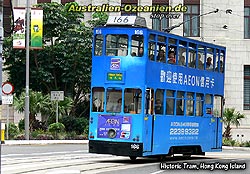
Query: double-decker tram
x=154 y=93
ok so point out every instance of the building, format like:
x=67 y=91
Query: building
x=225 y=23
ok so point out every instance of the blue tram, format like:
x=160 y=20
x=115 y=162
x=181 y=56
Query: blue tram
x=154 y=93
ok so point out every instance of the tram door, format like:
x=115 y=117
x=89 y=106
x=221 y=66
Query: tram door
x=217 y=116
x=148 y=120
x=213 y=121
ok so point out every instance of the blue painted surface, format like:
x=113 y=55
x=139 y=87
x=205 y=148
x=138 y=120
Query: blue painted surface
x=158 y=133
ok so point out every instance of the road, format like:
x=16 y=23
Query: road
x=75 y=159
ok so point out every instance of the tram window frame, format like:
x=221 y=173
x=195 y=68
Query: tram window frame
x=172 y=47
x=161 y=47
x=113 y=46
x=199 y=101
x=112 y=100
x=192 y=55
x=149 y=101
x=208 y=99
x=137 y=42
x=151 y=50
x=159 y=99
x=190 y=104
x=217 y=106
x=98 y=43
x=210 y=53
x=180 y=103
x=170 y=102
x=132 y=104
x=98 y=94
x=182 y=53
x=201 y=56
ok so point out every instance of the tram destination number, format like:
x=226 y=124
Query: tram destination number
x=184 y=131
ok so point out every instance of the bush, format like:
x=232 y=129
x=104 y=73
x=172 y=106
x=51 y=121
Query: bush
x=13 y=130
x=21 y=125
x=73 y=124
x=56 y=128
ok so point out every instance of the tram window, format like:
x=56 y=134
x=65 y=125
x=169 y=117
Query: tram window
x=192 y=56
x=218 y=101
x=149 y=104
x=161 y=56
x=170 y=102
x=180 y=103
x=151 y=50
x=208 y=99
x=97 y=99
x=114 y=100
x=132 y=100
x=162 y=39
x=98 y=44
x=220 y=63
x=172 y=49
x=116 y=45
x=137 y=45
x=182 y=56
x=199 y=105
x=201 y=57
x=209 y=62
x=152 y=37
x=159 y=96
x=190 y=104
x=171 y=41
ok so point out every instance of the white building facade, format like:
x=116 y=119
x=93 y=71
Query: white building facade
x=229 y=27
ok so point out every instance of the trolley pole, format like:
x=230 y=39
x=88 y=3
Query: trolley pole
x=27 y=70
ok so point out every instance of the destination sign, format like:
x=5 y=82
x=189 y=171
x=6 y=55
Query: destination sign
x=114 y=76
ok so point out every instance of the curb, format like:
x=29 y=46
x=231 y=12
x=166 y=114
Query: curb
x=42 y=142
x=236 y=148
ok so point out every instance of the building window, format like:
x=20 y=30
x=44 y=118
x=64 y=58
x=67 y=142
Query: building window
x=158 y=22
x=128 y=5
x=191 y=27
x=247 y=20
x=247 y=87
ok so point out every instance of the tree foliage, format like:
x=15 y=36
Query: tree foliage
x=231 y=117
x=64 y=63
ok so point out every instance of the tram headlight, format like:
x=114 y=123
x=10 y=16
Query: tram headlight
x=111 y=133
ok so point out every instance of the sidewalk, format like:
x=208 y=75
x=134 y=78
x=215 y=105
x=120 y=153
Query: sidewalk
x=41 y=142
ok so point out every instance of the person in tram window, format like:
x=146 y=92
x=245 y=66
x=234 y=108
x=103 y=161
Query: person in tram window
x=158 y=106
x=117 y=107
x=161 y=56
x=171 y=57
x=133 y=54
x=140 y=54
x=182 y=61
x=221 y=66
x=209 y=65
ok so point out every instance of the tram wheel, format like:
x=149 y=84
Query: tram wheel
x=133 y=158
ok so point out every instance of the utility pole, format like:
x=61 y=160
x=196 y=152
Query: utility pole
x=1 y=76
x=27 y=70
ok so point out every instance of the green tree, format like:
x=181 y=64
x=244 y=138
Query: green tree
x=64 y=63
x=40 y=103
x=231 y=117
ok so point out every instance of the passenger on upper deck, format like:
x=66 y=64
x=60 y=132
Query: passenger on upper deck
x=161 y=56
x=209 y=65
x=221 y=66
x=200 y=64
x=171 y=57
x=182 y=61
